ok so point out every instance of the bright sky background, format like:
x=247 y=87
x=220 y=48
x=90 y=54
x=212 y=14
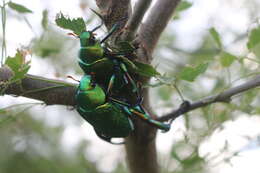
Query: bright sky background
x=232 y=17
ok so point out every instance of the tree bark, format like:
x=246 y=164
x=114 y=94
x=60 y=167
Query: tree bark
x=140 y=145
x=47 y=90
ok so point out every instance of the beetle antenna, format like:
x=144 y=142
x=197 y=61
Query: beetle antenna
x=114 y=28
x=102 y=21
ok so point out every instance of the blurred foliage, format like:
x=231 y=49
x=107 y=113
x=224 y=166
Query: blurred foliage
x=214 y=64
x=18 y=65
x=254 y=41
x=183 y=5
x=29 y=145
x=55 y=46
x=226 y=67
x=190 y=73
x=49 y=44
x=19 y=8
x=45 y=19
x=226 y=59
x=216 y=37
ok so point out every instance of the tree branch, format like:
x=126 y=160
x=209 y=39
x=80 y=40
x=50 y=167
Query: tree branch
x=114 y=11
x=48 y=90
x=157 y=20
x=140 y=145
x=224 y=96
x=133 y=23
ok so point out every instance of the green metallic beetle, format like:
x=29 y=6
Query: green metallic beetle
x=106 y=68
x=110 y=119
x=100 y=96
x=107 y=96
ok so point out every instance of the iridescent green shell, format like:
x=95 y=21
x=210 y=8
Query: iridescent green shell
x=92 y=62
x=89 y=96
x=107 y=118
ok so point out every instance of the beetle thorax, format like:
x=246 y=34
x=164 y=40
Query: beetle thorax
x=89 y=94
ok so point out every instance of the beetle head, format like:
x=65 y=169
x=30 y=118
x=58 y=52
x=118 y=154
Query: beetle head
x=87 y=39
x=86 y=83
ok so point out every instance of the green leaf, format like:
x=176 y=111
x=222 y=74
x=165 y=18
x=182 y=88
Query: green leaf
x=253 y=43
x=125 y=46
x=18 y=65
x=146 y=69
x=49 y=44
x=193 y=161
x=165 y=93
x=226 y=59
x=183 y=5
x=19 y=8
x=76 y=25
x=130 y=65
x=216 y=37
x=45 y=19
x=190 y=73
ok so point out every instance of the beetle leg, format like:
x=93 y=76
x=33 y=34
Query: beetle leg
x=124 y=69
x=119 y=102
x=140 y=112
x=110 y=84
x=139 y=97
x=112 y=79
x=136 y=89
x=126 y=78
x=121 y=66
x=91 y=64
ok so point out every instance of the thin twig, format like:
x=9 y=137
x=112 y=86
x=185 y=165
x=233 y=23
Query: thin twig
x=224 y=96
